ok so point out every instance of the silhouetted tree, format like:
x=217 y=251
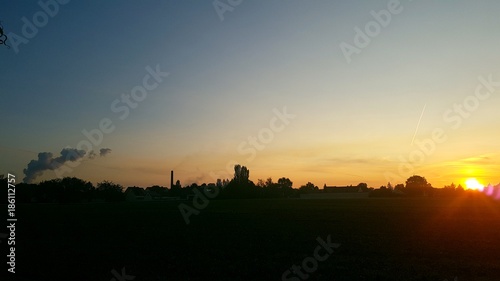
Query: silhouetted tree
x=270 y=183
x=240 y=186
x=26 y=193
x=270 y=189
x=110 y=191
x=261 y=183
x=221 y=183
x=363 y=186
x=50 y=191
x=447 y=190
x=285 y=183
x=399 y=187
x=76 y=190
x=158 y=190
x=241 y=174
x=309 y=187
x=66 y=190
x=382 y=191
x=286 y=186
x=452 y=186
x=3 y=36
x=417 y=186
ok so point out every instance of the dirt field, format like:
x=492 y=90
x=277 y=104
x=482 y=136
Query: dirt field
x=380 y=239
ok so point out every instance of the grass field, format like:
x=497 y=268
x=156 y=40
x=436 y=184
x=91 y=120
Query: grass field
x=381 y=239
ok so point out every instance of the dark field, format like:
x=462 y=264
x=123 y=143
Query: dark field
x=381 y=239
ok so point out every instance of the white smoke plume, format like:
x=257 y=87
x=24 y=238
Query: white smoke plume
x=46 y=161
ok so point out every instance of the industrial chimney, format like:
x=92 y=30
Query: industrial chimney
x=171 y=179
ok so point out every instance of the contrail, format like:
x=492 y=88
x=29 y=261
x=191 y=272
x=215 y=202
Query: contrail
x=418 y=124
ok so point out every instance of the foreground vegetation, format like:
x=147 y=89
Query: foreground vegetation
x=381 y=239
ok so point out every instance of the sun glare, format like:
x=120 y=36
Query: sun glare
x=473 y=184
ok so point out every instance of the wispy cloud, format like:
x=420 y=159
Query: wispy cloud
x=479 y=160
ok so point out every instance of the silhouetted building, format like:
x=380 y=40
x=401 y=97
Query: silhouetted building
x=338 y=192
x=342 y=189
x=135 y=194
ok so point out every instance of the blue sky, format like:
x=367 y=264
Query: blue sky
x=352 y=121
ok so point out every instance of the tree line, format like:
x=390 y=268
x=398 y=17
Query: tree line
x=73 y=190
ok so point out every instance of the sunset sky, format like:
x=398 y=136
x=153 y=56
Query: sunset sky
x=231 y=75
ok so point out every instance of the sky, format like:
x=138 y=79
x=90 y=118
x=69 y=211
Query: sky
x=329 y=92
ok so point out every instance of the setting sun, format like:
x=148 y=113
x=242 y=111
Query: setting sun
x=473 y=184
